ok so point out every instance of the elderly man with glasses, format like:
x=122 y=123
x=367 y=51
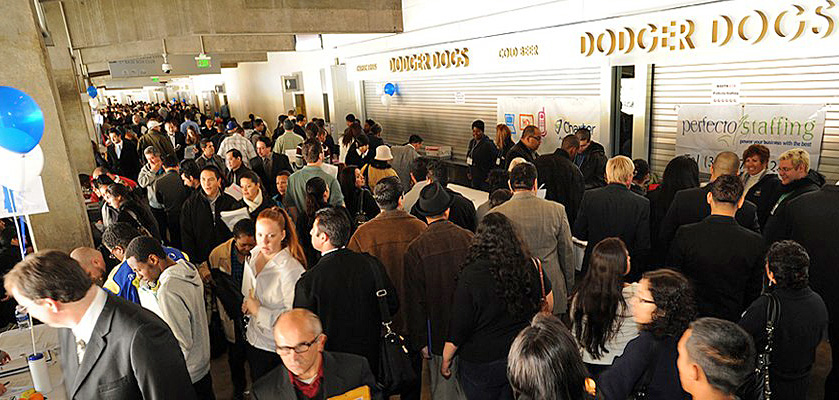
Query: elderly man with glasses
x=307 y=371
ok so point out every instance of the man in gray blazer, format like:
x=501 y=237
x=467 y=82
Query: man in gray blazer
x=544 y=227
x=110 y=348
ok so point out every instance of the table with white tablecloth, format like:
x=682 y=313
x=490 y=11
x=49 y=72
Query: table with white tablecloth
x=18 y=343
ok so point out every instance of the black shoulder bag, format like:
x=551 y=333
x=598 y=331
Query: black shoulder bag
x=395 y=370
x=757 y=385
x=360 y=216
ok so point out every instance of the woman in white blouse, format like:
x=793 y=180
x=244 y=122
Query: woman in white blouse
x=268 y=285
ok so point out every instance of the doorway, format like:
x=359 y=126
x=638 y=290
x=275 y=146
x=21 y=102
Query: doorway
x=300 y=104
x=624 y=87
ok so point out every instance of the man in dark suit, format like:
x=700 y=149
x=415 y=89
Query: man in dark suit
x=811 y=220
x=722 y=259
x=122 y=156
x=340 y=288
x=307 y=371
x=462 y=212
x=563 y=181
x=110 y=348
x=690 y=206
x=268 y=164
x=591 y=159
x=178 y=140
x=526 y=147
x=169 y=190
x=616 y=211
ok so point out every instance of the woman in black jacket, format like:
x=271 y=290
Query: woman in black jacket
x=499 y=289
x=254 y=196
x=762 y=187
x=801 y=323
x=130 y=210
x=681 y=172
x=317 y=197
x=663 y=307
x=503 y=142
x=359 y=201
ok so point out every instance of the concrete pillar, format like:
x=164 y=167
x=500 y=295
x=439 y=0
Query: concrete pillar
x=78 y=130
x=27 y=67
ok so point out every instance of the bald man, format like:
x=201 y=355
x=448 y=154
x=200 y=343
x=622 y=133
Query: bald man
x=690 y=206
x=307 y=371
x=92 y=262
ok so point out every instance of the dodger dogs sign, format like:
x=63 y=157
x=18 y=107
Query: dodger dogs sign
x=702 y=131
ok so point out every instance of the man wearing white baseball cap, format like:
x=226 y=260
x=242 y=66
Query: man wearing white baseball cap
x=379 y=168
x=155 y=138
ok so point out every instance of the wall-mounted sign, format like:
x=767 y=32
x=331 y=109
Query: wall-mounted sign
x=459 y=98
x=182 y=64
x=725 y=92
x=521 y=51
x=456 y=58
x=555 y=117
x=791 y=24
x=703 y=131
x=367 y=67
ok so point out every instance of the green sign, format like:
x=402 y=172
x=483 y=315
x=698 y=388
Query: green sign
x=155 y=79
x=202 y=63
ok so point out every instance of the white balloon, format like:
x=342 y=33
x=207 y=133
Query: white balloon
x=387 y=100
x=19 y=170
x=380 y=89
x=94 y=103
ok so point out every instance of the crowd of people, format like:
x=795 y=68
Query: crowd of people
x=293 y=252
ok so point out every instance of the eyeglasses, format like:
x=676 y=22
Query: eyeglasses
x=644 y=300
x=786 y=169
x=300 y=348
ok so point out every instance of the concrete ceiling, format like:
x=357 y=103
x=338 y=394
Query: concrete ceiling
x=235 y=30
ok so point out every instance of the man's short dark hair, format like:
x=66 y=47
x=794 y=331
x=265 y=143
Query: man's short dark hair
x=300 y=118
x=523 y=176
x=583 y=133
x=642 y=169
x=419 y=169
x=245 y=227
x=370 y=122
x=258 y=122
x=727 y=189
x=265 y=140
x=170 y=161
x=723 y=350
x=789 y=262
x=387 y=193
x=119 y=234
x=204 y=142
x=103 y=180
x=414 y=139
x=498 y=179
x=288 y=124
x=190 y=169
x=235 y=152
x=142 y=247
x=312 y=150
x=570 y=142
x=350 y=118
x=49 y=274
x=361 y=140
x=376 y=129
x=213 y=169
x=438 y=172
x=335 y=223
x=478 y=124
x=530 y=131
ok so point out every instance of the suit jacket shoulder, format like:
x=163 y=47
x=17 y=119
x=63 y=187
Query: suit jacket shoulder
x=341 y=373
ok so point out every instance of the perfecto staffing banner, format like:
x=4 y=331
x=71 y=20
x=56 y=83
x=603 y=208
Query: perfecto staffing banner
x=555 y=117
x=705 y=130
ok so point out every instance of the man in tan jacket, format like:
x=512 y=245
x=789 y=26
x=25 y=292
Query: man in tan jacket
x=230 y=257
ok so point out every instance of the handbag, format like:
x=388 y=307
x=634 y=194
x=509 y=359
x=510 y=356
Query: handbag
x=756 y=386
x=395 y=371
x=538 y=264
x=360 y=217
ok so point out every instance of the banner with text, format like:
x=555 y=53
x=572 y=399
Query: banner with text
x=703 y=131
x=555 y=117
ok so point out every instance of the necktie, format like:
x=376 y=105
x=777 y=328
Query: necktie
x=267 y=162
x=80 y=347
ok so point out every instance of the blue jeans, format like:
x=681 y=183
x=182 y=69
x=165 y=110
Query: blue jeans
x=484 y=381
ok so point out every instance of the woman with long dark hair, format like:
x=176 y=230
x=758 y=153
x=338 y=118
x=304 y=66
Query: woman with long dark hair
x=317 y=196
x=499 y=289
x=347 y=139
x=600 y=314
x=359 y=201
x=129 y=210
x=680 y=173
x=663 y=306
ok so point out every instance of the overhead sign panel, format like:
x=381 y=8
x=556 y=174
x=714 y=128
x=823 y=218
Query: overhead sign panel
x=182 y=64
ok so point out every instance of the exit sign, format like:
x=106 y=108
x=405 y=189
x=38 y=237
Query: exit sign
x=202 y=63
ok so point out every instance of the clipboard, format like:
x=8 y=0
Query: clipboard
x=359 y=393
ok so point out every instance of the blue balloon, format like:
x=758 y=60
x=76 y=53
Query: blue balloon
x=21 y=121
x=92 y=92
x=390 y=89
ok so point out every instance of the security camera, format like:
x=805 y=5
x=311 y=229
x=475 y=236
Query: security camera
x=167 y=68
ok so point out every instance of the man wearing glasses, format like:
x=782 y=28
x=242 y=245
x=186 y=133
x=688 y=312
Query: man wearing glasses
x=526 y=148
x=307 y=371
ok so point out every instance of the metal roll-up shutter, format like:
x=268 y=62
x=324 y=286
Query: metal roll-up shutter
x=782 y=81
x=426 y=106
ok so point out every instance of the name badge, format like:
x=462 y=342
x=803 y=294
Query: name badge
x=468 y=160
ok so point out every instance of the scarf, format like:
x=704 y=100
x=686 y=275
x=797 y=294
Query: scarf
x=309 y=390
x=253 y=205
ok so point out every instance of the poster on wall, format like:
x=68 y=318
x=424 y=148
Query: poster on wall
x=705 y=130
x=555 y=117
